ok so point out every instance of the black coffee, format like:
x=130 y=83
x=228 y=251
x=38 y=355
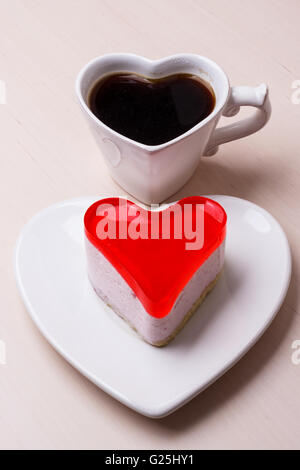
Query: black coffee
x=151 y=111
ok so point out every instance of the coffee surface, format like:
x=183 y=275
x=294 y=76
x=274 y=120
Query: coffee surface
x=151 y=111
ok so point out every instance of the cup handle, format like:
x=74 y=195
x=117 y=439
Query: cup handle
x=242 y=96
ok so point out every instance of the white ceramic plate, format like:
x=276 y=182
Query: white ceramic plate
x=51 y=275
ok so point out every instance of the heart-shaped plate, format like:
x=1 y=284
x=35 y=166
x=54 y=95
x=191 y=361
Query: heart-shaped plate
x=50 y=269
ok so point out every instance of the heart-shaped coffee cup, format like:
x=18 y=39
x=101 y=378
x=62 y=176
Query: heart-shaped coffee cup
x=152 y=173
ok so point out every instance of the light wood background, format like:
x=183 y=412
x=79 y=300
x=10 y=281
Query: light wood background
x=47 y=154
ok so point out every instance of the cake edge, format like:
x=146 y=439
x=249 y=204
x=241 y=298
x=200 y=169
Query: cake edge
x=189 y=313
x=183 y=322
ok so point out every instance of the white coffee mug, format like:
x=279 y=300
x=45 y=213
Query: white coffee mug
x=152 y=173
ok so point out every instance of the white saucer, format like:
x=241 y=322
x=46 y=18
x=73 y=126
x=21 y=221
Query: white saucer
x=51 y=275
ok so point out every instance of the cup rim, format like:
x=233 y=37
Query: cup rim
x=220 y=103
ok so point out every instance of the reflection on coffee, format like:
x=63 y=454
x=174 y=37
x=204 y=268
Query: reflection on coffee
x=151 y=111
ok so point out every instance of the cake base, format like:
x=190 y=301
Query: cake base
x=185 y=319
x=190 y=313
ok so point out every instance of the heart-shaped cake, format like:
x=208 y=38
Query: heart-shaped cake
x=155 y=267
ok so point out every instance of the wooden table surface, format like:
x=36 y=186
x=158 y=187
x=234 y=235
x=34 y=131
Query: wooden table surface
x=48 y=154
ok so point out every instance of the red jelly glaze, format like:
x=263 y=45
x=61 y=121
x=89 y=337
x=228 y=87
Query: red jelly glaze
x=157 y=270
